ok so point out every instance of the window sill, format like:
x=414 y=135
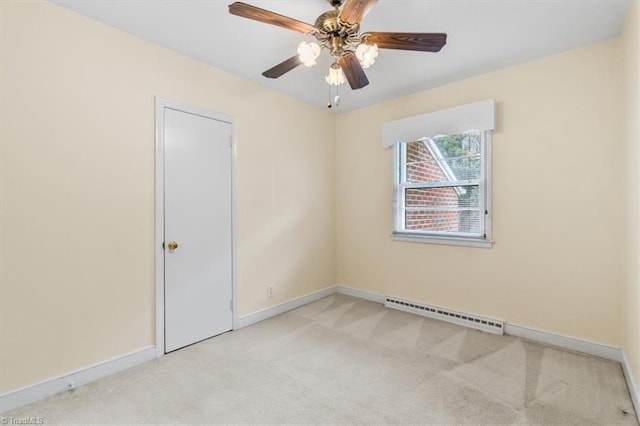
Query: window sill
x=449 y=241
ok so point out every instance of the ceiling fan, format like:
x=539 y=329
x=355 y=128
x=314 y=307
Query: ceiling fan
x=338 y=31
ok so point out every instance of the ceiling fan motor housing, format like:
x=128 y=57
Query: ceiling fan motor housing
x=333 y=33
x=328 y=22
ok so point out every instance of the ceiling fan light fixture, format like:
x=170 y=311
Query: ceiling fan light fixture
x=338 y=31
x=308 y=53
x=367 y=54
x=336 y=76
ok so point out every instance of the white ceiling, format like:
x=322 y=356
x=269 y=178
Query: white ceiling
x=482 y=36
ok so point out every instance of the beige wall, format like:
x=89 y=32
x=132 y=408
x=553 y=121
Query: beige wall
x=558 y=197
x=631 y=46
x=77 y=118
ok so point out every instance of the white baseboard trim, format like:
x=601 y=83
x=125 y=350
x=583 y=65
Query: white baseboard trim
x=549 y=338
x=46 y=388
x=546 y=337
x=38 y=391
x=32 y=393
x=565 y=342
x=634 y=390
x=362 y=294
x=249 y=319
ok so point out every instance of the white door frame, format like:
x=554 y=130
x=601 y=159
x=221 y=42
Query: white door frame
x=160 y=105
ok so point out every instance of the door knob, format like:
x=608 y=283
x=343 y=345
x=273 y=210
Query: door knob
x=172 y=245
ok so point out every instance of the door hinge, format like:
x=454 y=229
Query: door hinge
x=231 y=305
x=231 y=141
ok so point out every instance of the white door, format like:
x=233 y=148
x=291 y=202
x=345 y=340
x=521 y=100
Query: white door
x=197 y=213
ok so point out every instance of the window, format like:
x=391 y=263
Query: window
x=442 y=175
x=441 y=191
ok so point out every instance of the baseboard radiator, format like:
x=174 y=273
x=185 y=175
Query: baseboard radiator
x=461 y=318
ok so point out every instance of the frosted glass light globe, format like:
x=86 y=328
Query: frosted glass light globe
x=308 y=53
x=335 y=76
x=367 y=54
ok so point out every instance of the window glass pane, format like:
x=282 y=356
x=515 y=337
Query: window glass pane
x=440 y=187
x=443 y=159
x=444 y=209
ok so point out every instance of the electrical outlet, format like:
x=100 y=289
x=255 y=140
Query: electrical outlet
x=269 y=292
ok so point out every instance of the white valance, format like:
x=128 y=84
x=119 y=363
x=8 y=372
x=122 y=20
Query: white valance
x=479 y=116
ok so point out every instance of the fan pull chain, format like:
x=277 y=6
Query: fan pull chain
x=336 y=98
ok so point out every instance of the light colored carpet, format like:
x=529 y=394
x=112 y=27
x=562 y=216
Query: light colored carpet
x=345 y=360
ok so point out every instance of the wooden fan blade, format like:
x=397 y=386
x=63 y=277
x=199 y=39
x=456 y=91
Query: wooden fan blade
x=424 y=42
x=353 y=71
x=354 y=11
x=247 y=11
x=283 y=67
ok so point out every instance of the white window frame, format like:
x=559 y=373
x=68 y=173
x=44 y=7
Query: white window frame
x=434 y=237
